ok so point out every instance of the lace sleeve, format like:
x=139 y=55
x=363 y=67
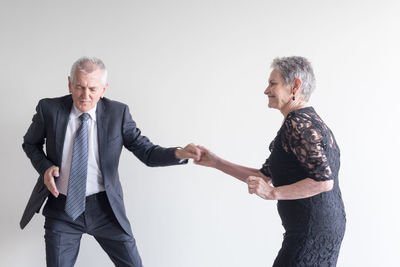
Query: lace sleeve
x=304 y=137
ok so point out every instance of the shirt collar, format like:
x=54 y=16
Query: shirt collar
x=75 y=112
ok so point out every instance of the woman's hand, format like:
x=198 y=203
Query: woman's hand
x=261 y=187
x=267 y=179
x=207 y=158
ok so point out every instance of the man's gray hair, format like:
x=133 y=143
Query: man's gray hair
x=88 y=65
x=292 y=68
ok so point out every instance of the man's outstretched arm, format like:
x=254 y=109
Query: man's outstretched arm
x=150 y=154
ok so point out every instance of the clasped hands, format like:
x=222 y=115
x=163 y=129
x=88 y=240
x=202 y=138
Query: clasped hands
x=261 y=187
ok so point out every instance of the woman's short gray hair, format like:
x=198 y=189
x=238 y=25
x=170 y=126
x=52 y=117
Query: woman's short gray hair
x=88 y=65
x=292 y=68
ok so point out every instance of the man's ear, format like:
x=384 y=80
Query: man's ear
x=104 y=90
x=69 y=85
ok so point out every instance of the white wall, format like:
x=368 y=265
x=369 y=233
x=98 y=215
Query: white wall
x=195 y=71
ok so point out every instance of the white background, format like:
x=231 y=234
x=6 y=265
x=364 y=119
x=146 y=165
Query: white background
x=195 y=71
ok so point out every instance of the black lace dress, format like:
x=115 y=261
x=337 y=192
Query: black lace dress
x=314 y=227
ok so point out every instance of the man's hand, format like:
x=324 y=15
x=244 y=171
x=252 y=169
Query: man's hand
x=191 y=151
x=49 y=180
x=260 y=187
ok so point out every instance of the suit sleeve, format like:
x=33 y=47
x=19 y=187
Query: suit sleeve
x=150 y=154
x=34 y=140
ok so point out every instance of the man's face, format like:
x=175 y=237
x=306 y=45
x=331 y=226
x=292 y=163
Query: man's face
x=86 y=89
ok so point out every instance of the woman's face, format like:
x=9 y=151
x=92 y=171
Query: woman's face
x=279 y=94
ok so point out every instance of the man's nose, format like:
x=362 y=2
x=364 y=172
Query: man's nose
x=86 y=92
x=266 y=91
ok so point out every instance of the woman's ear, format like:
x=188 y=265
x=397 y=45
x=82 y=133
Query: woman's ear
x=296 y=85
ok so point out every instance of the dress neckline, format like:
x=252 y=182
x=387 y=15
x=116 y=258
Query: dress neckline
x=300 y=109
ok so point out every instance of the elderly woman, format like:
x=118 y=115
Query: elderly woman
x=301 y=171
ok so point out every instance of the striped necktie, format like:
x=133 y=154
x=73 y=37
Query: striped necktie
x=75 y=203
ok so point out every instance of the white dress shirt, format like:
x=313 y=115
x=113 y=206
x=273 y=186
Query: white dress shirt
x=94 y=183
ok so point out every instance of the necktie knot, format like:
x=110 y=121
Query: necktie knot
x=84 y=117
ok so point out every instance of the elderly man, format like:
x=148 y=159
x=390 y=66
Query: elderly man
x=84 y=133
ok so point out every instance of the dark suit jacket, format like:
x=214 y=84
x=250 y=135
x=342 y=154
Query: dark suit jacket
x=115 y=128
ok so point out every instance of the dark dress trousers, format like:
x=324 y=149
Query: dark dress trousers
x=115 y=129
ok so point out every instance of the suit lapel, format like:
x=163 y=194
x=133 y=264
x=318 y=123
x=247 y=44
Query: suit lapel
x=101 y=130
x=61 y=126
